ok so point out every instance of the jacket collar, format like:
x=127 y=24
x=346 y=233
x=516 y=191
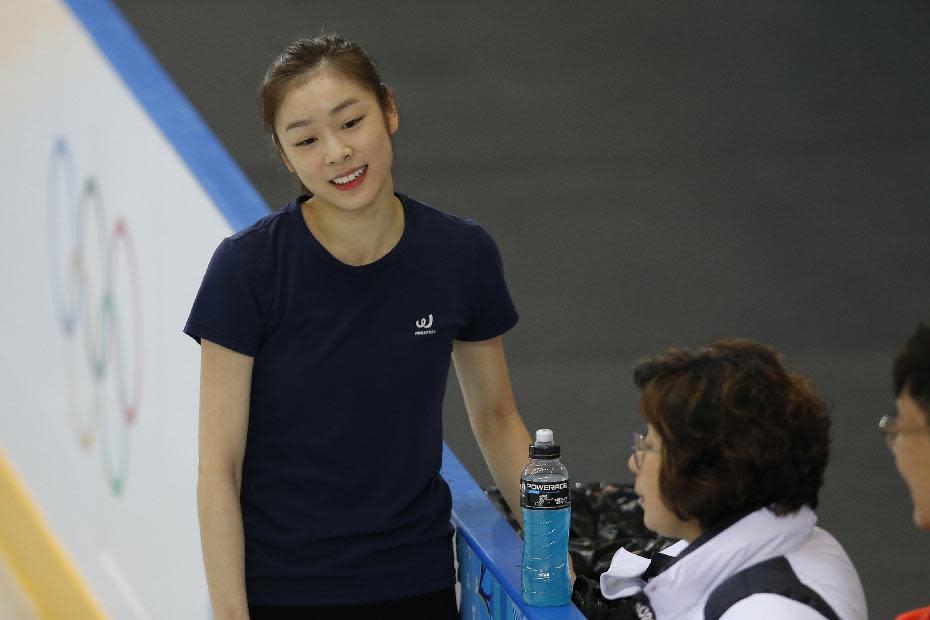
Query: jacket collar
x=681 y=579
x=760 y=535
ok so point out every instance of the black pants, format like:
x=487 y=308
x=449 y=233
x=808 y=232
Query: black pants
x=432 y=606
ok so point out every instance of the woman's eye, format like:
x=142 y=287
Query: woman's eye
x=306 y=142
x=353 y=122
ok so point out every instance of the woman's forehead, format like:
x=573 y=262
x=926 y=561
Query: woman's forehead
x=322 y=94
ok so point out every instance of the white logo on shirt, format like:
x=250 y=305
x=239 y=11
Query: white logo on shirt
x=423 y=327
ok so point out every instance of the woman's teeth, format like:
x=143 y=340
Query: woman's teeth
x=350 y=177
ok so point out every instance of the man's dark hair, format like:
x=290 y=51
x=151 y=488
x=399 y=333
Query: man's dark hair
x=912 y=369
x=738 y=431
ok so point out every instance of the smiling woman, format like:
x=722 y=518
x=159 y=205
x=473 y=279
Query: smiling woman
x=304 y=59
x=331 y=134
x=327 y=330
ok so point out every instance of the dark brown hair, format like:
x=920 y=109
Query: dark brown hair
x=912 y=369
x=738 y=431
x=304 y=58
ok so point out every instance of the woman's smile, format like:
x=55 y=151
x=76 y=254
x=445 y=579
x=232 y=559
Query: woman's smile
x=351 y=180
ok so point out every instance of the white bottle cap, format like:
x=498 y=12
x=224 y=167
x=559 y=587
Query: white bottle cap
x=544 y=435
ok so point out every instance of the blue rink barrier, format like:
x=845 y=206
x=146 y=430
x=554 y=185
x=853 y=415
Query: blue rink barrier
x=489 y=553
x=489 y=550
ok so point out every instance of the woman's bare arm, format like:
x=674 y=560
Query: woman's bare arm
x=225 y=386
x=499 y=430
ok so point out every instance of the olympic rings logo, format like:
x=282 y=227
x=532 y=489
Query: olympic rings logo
x=88 y=260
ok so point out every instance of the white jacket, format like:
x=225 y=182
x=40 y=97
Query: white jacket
x=681 y=591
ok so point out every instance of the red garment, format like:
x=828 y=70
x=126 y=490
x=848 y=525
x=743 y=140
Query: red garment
x=917 y=614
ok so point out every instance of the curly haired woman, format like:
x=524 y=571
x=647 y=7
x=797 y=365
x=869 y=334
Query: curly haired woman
x=731 y=464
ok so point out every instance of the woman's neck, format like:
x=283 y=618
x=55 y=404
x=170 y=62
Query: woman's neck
x=691 y=530
x=357 y=237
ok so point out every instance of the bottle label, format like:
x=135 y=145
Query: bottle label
x=544 y=495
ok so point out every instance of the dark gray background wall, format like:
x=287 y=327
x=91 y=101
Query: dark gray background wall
x=655 y=174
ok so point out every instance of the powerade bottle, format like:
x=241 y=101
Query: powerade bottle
x=546 y=506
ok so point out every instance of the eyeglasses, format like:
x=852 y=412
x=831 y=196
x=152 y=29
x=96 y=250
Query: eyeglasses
x=639 y=449
x=888 y=426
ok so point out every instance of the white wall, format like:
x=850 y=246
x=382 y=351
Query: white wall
x=67 y=119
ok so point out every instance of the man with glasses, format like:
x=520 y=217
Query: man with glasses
x=908 y=430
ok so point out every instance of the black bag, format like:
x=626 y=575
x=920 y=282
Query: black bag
x=586 y=595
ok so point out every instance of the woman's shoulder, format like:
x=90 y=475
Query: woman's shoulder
x=820 y=550
x=253 y=252
x=823 y=565
x=433 y=220
x=259 y=242
x=267 y=229
x=772 y=607
x=449 y=233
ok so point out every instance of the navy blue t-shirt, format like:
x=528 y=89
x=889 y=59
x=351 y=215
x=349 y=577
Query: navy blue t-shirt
x=341 y=497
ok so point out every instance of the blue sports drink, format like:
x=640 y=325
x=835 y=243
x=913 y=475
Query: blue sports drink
x=546 y=506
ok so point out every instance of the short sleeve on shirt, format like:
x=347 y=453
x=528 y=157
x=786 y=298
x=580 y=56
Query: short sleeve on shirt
x=227 y=309
x=493 y=312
